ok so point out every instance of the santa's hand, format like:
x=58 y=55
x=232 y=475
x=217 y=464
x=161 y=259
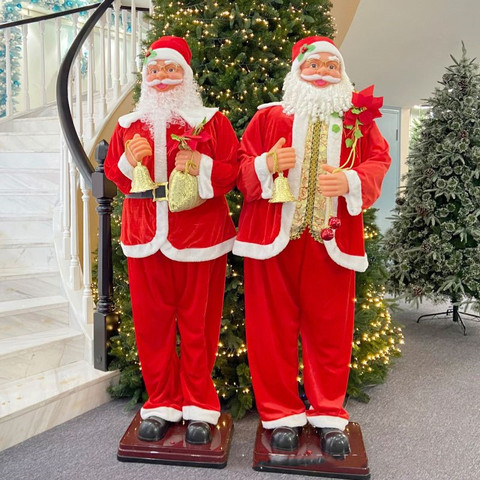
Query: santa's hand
x=137 y=149
x=286 y=157
x=333 y=184
x=184 y=156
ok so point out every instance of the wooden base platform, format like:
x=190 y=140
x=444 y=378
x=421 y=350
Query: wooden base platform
x=309 y=458
x=174 y=450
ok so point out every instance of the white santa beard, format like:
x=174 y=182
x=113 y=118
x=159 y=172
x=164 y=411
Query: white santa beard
x=301 y=97
x=159 y=109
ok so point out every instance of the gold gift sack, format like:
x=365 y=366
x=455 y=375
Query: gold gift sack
x=183 y=190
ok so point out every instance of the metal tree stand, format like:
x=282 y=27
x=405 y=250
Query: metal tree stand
x=457 y=318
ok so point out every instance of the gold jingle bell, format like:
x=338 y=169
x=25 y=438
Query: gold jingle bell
x=142 y=182
x=281 y=188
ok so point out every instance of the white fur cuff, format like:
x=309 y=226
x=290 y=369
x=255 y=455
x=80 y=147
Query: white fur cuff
x=205 y=188
x=298 y=420
x=167 y=413
x=264 y=176
x=125 y=167
x=354 y=195
x=325 y=421
x=191 y=412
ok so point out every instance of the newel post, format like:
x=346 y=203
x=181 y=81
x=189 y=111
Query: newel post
x=105 y=320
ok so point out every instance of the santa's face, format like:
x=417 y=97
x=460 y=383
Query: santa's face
x=163 y=75
x=321 y=70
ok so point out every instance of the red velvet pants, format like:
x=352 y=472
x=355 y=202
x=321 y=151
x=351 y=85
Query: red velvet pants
x=168 y=295
x=301 y=291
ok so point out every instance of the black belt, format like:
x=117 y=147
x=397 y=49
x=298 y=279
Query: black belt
x=158 y=194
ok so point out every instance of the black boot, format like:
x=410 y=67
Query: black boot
x=152 y=429
x=198 y=433
x=284 y=438
x=334 y=442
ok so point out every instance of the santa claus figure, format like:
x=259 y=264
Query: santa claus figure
x=176 y=261
x=301 y=256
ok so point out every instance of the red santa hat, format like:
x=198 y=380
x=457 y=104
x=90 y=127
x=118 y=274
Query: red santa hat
x=309 y=46
x=171 y=48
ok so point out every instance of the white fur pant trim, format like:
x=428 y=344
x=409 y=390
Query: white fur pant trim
x=191 y=412
x=325 y=421
x=167 y=413
x=298 y=420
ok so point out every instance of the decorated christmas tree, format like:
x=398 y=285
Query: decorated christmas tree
x=241 y=54
x=434 y=242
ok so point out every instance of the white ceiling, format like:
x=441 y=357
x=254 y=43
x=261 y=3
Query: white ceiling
x=403 y=46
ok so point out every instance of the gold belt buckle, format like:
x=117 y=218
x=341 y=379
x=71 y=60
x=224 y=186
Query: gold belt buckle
x=161 y=199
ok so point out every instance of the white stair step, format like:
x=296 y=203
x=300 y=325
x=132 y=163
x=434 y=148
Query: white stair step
x=46 y=160
x=28 y=203
x=29 y=142
x=28 y=286
x=43 y=401
x=18 y=227
x=27 y=254
x=28 y=355
x=6 y=273
x=15 y=181
x=28 y=323
x=32 y=304
x=49 y=124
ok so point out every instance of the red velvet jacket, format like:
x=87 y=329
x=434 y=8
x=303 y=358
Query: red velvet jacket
x=264 y=228
x=199 y=234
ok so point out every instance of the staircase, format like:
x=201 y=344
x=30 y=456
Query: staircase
x=46 y=376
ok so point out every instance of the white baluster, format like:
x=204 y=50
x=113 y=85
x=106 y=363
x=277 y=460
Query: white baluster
x=90 y=128
x=141 y=27
x=42 y=63
x=66 y=236
x=109 y=48
x=78 y=83
x=75 y=277
x=103 y=80
x=125 y=43
x=58 y=26
x=8 y=72
x=87 y=298
x=25 y=82
x=133 y=41
x=116 y=59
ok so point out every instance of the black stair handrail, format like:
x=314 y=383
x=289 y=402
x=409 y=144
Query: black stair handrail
x=48 y=16
x=72 y=139
x=74 y=144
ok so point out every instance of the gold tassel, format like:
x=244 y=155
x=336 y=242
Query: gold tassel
x=281 y=188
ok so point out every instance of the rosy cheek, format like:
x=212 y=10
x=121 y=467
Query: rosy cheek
x=308 y=71
x=150 y=77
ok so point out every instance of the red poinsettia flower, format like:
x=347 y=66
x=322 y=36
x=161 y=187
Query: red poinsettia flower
x=368 y=105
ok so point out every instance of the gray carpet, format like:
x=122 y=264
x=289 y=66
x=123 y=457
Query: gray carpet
x=423 y=424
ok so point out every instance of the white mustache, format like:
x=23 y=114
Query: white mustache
x=326 y=78
x=166 y=81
